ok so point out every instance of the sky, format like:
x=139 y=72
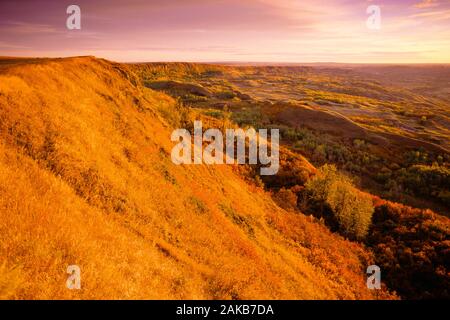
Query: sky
x=295 y=31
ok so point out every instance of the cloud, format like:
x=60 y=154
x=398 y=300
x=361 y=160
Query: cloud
x=218 y=30
x=433 y=15
x=427 y=4
x=6 y=45
x=26 y=28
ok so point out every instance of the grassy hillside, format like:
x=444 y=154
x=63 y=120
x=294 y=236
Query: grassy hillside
x=86 y=178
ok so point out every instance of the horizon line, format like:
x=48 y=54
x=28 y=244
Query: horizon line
x=233 y=62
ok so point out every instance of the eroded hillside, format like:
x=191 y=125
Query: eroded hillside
x=86 y=178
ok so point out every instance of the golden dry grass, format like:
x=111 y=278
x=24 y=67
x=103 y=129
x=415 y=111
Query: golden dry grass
x=86 y=178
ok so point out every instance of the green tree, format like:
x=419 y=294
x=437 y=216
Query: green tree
x=352 y=209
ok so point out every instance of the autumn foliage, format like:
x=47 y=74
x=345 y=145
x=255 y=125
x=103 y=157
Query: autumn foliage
x=412 y=246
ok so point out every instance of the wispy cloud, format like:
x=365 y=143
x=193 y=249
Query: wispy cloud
x=5 y=45
x=25 y=27
x=219 y=30
x=427 y=4
x=433 y=15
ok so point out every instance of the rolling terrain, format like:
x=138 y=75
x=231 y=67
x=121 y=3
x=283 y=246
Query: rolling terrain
x=375 y=127
x=384 y=127
x=87 y=179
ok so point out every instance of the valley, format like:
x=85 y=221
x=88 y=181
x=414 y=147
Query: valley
x=86 y=179
x=381 y=132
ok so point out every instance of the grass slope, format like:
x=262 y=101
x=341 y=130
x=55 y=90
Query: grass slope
x=86 y=178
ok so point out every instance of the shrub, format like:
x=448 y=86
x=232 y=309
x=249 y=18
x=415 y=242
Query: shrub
x=198 y=204
x=286 y=199
x=351 y=208
x=412 y=248
x=226 y=95
x=428 y=181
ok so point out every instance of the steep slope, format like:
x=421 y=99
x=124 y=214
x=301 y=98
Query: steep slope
x=86 y=179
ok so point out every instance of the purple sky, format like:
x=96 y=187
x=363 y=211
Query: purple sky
x=230 y=30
